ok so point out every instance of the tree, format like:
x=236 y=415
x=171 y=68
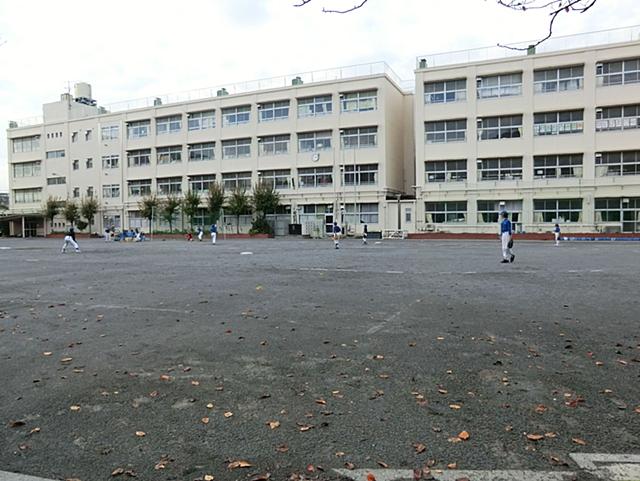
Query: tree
x=88 y=209
x=168 y=209
x=215 y=201
x=190 y=205
x=148 y=207
x=70 y=212
x=238 y=204
x=265 y=200
x=51 y=209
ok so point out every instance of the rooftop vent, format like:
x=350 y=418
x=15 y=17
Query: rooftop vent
x=297 y=81
x=531 y=50
x=423 y=63
x=157 y=101
x=222 y=92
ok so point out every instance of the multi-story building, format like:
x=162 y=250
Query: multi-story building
x=334 y=149
x=548 y=136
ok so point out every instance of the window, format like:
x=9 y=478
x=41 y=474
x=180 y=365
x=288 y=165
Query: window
x=558 y=79
x=236 y=115
x=27 y=196
x=312 y=106
x=366 y=174
x=363 y=101
x=169 y=185
x=558 y=123
x=89 y=163
x=204 y=151
x=111 y=132
x=314 y=141
x=232 y=149
x=504 y=127
x=55 y=154
x=445 y=131
x=315 y=177
x=110 y=161
x=138 y=129
x=26 y=169
x=90 y=191
x=489 y=210
x=270 y=111
x=169 y=155
x=620 y=210
x=138 y=188
x=241 y=180
x=201 y=183
x=26 y=144
x=407 y=214
x=622 y=117
x=365 y=213
x=445 y=91
x=74 y=137
x=75 y=164
x=618 y=163
x=557 y=210
x=56 y=180
x=76 y=192
x=446 y=170
x=503 y=168
x=87 y=134
x=168 y=125
x=274 y=144
x=202 y=120
x=138 y=158
x=278 y=179
x=359 y=137
x=557 y=166
x=111 y=191
x=445 y=212
x=618 y=73
x=495 y=86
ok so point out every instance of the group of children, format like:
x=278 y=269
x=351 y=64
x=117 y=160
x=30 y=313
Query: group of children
x=506 y=238
x=337 y=233
x=213 y=230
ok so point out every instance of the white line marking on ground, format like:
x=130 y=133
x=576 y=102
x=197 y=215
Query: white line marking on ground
x=246 y=253
x=133 y=308
x=6 y=476
x=318 y=269
x=394 y=272
x=610 y=467
x=453 y=475
x=382 y=325
x=595 y=270
x=5 y=248
x=470 y=272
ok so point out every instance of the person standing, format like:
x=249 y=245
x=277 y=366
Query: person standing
x=200 y=233
x=365 y=234
x=506 y=239
x=70 y=238
x=107 y=235
x=556 y=233
x=214 y=232
x=336 y=235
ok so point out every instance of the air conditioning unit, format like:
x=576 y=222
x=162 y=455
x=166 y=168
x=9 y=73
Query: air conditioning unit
x=599 y=68
x=598 y=155
x=479 y=81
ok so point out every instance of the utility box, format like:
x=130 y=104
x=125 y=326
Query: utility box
x=295 y=229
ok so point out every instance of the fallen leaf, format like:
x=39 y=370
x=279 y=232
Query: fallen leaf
x=378 y=357
x=440 y=338
x=210 y=406
x=550 y=434
x=419 y=447
x=535 y=437
x=117 y=472
x=141 y=434
x=75 y=407
x=540 y=408
x=599 y=363
x=464 y=435
x=371 y=477
x=205 y=420
x=16 y=424
x=153 y=394
x=382 y=464
x=412 y=344
x=310 y=468
x=443 y=391
x=624 y=363
x=261 y=477
x=239 y=464
x=383 y=376
x=66 y=359
x=283 y=448
x=273 y=424
x=606 y=391
x=350 y=466
x=637 y=410
x=162 y=464
x=455 y=407
x=195 y=383
x=48 y=353
x=339 y=454
x=228 y=414
x=165 y=377
x=321 y=401
x=208 y=477
x=34 y=431
x=579 y=441
x=304 y=427
x=452 y=465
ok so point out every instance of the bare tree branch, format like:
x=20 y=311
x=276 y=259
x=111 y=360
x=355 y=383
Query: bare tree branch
x=328 y=10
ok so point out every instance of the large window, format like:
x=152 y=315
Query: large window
x=26 y=144
x=445 y=91
x=234 y=148
x=364 y=174
x=445 y=170
x=27 y=196
x=56 y=180
x=618 y=163
x=312 y=106
x=233 y=180
x=55 y=154
x=445 y=131
x=236 y=115
x=204 y=151
x=557 y=210
x=621 y=117
x=503 y=168
x=558 y=79
x=168 y=125
x=138 y=129
x=110 y=161
x=314 y=141
x=558 y=123
x=494 y=86
x=169 y=155
x=503 y=127
x=201 y=120
x=557 y=166
x=270 y=111
x=138 y=188
x=201 y=183
x=365 y=213
x=363 y=101
x=138 y=158
x=278 y=179
x=445 y=212
x=274 y=144
x=359 y=137
x=111 y=191
x=169 y=185
x=489 y=210
x=619 y=72
x=111 y=132
x=619 y=210
x=315 y=177
x=26 y=169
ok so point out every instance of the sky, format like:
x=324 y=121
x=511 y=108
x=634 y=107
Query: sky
x=143 y=48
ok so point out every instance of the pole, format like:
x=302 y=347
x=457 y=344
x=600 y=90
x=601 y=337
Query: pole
x=356 y=217
x=23 y=236
x=399 y=212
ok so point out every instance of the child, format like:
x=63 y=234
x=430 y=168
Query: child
x=505 y=237
x=70 y=238
x=336 y=235
x=556 y=233
x=214 y=232
x=189 y=236
x=365 y=233
x=200 y=234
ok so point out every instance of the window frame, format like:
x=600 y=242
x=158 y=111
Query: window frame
x=450 y=131
x=274 y=145
x=278 y=179
x=363 y=174
x=617 y=163
x=359 y=138
x=558 y=166
x=445 y=91
x=318 y=137
x=139 y=187
x=168 y=124
x=501 y=130
x=110 y=191
x=552 y=215
x=110 y=132
x=110 y=161
x=169 y=185
x=201 y=183
x=233 y=180
x=448 y=171
x=201 y=120
x=359 y=101
x=233 y=116
x=229 y=146
x=29 y=143
x=322 y=177
x=501 y=88
x=499 y=169
x=135 y=158
x=447 y=212
x=169 y=155
x=315 y=106
x=138 y=129
x=279 y=110
x=197 y=151
x=558 y=82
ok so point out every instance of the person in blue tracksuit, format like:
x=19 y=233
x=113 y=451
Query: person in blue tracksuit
x=214 y=232
x=336 y=235
x=505 y=238
x=556 y=234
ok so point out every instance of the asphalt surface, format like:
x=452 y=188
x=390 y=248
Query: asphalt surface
x=167 y=360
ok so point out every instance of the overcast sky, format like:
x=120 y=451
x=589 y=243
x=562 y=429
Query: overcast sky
x=141 y=48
